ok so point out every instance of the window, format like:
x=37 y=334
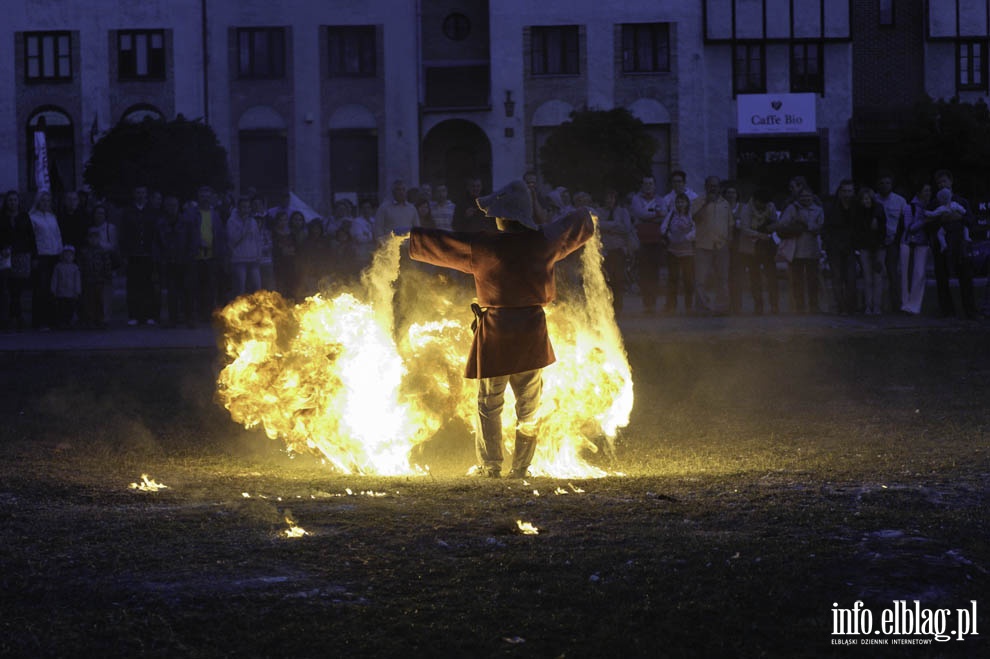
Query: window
x=971 y=66
x=352 y=50
x=806 y=68
x=554 y=50
x=645 y=47
x=749 y=71
x=48 y=56
x=261 y=52
x=141 y=54
x=886 y=10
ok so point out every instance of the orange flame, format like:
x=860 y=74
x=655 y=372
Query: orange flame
x=363 y=376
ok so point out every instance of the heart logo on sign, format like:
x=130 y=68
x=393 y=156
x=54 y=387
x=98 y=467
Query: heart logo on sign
x=776 y=105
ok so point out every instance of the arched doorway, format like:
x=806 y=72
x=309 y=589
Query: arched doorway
x=264 y=152
x=140 y=112
x=61 y=146
x=453 y=152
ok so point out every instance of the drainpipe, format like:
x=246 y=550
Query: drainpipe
x=206 y=62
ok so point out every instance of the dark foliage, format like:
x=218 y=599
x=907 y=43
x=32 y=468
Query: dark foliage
x=598 y=149
x=947 y=134
x=174 y=156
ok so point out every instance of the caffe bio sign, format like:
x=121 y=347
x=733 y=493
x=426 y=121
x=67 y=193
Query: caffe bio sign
x=761 y=114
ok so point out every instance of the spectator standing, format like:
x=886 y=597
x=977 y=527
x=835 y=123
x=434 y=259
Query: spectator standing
x=953 y=257
x=47 y=252
x=73 y=221
x=837 y=238
x=96 y=274
x=210 y=262
x=648 y=212
x=679 y=229
x=17 y=236
x=467 y=216
x=110 y=243
x=314 y=256
x=244 y=238
x=137 y=237
x=619 y=242
x=443 y=209
x=802 y=223
x=757 y=250
x=66 y=287
x=713 y=229
x=678 y=185
x=915 y=250
x=176 y=248
x=362 y=236
x=265 y=262
x=395 y=212
x=869 y=228
x=894 y=208
x=284 y=256
x=737 y=266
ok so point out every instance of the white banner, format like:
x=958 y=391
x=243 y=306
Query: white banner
x=761 y=114
x=41 y=162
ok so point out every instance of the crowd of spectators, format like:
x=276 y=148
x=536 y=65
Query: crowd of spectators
x=180 y=260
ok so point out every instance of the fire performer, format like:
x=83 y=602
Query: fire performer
x=513 y=272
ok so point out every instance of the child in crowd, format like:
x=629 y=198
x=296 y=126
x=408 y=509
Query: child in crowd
x=96 y=271
x=66 y=287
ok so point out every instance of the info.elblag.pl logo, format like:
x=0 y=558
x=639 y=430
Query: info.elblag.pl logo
x=903 y=623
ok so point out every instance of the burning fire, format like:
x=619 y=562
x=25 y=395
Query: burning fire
x=148 y=484
x=364 y=374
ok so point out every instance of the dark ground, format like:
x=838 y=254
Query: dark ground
x=772 y=468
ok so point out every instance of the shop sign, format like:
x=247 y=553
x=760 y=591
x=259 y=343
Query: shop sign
x=761 y=114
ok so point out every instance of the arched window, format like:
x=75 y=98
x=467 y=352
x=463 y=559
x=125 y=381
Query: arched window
x=60 y=140
x=264 y=151
x=141 y=112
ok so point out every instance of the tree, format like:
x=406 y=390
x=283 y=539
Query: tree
x=950 y=135
x=176 y=157
x=598 y=149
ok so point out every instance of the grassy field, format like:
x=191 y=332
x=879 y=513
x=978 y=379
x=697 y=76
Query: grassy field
x=766 y=480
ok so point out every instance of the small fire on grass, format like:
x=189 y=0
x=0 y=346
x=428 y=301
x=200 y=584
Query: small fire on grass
x=294 y=530
x=526 y=528
x=148 y=484
x=361 y=377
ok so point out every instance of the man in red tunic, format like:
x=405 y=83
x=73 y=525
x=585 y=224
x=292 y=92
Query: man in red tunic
x=513 y=272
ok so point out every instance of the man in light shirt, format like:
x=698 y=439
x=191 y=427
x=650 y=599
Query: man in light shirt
x=713 y=226
x=893 y=206
x=395 y=212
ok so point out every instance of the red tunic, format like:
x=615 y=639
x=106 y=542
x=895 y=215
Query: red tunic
x=513 y=278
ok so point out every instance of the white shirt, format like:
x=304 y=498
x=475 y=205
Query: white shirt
x=893 y=207
x=47 y=236
x=443 y=214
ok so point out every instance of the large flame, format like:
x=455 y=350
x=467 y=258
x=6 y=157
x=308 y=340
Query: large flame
x=364 y=373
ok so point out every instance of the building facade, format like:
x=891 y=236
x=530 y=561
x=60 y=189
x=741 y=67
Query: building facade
x=338 y=99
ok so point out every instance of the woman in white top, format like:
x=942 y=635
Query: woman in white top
x=47 y=250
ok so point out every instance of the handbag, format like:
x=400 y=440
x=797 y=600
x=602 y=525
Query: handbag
x=20 y=265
